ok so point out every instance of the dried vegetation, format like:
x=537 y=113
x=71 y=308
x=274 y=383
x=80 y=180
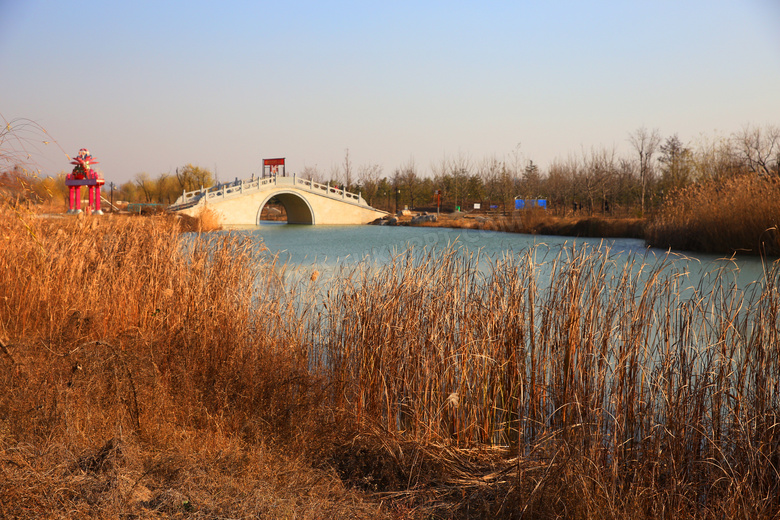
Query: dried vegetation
x=540 y=222
x=145 y=373
x=737 y=215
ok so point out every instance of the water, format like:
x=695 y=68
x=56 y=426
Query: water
x=688 y=331
x=324 y=246
x=327 y=248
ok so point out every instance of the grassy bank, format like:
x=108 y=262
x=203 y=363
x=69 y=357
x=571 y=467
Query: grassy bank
x=140 y=374
x=538 y=222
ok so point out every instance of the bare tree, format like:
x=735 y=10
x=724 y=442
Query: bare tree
x=396 y=186
x=626 y=183
x=312 y=173
x=676 y=164
x=507 y=186
x=145 y=183
x=517 y=161
x=440 y=178
x=193 y=177
x=613 y=173
x=645 y=142
x=597 y=177
x=490 y=170
x=759 y=148
x=368 y=177
x=129 y=191
x=405 y=178
x=165 y=188
x=335 y=174
x=347 y=170
x=716 y=158
x=562 y=183
x=459 y=173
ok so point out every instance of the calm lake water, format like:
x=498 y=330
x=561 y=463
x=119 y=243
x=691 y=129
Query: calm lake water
x=329 y=247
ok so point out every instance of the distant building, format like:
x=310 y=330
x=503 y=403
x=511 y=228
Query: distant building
x=530 y=203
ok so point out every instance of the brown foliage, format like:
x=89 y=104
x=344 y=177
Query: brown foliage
x=147 y=372
x=207 y=220
x=624 y=392
x=734 y=215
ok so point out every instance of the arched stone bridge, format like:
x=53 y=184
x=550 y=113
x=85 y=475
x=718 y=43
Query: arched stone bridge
x=306 y=202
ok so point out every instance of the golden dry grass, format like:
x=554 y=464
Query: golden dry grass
x=145 y=372
x=736 y=215
x=623 y=391
x=140 y=374
x=207 y=220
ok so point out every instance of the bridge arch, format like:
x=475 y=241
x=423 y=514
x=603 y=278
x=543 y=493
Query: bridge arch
x=306 y=202
x=298 y=208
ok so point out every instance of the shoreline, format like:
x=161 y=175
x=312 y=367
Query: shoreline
x=531 y=223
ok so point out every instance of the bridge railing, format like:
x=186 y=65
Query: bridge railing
x=244 y=187
x=330 y=191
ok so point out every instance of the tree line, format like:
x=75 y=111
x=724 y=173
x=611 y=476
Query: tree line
x=598 y=180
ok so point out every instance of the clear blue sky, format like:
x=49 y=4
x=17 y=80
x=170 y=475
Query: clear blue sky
x=151 y=85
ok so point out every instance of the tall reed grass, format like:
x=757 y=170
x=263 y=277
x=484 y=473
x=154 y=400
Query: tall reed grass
x=651 y=397
x=534 y=385
x=143 y=373
x=735 y=215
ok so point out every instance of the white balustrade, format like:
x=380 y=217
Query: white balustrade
x=246 y=187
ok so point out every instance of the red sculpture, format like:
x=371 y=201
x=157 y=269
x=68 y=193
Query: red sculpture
x=84 y=175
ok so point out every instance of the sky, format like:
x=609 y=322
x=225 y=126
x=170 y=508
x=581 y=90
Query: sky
x=149 y=86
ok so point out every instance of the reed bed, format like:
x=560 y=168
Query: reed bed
x=645 y=396
x=143 y=373
x=147 y=372
x=735 y=215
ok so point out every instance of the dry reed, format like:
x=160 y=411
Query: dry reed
x=149 y=372
x=735 y=215
x=206 y=220
x=645 y=397
x=143 y=373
